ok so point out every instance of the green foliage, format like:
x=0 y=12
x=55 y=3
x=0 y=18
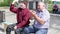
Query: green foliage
x=5 y=3
x=50 y=6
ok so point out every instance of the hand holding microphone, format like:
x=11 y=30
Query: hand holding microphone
x=15 y=1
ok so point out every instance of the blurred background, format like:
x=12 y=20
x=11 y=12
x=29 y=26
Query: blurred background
x=31 y=3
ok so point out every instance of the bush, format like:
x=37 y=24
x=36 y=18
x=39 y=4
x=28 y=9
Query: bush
x=6 y=3
x=50 y=6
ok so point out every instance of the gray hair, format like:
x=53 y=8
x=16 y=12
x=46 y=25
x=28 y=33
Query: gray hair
x=42 y=3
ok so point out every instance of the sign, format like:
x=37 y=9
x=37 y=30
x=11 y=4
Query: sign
x=56 y=0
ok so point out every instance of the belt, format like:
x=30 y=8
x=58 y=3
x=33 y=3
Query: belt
x=44 y=28
x=41 y=28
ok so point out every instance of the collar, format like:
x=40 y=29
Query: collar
x=39 y=11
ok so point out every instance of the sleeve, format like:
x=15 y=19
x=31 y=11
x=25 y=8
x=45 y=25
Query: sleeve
x=25 y=19
x=13 y=9
x=46 y=16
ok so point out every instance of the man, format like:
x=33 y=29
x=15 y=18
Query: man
x=55 y=8
x=41 y=23
x=23 y=16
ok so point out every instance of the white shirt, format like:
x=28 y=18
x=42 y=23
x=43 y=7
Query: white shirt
x=45 y=16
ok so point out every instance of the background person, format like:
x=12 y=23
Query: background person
x=55 y=8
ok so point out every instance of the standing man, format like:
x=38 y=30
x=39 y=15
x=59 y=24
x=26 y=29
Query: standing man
x=41 y=23
x=23 y=16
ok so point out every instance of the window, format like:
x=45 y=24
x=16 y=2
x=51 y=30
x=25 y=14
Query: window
x=30 y=5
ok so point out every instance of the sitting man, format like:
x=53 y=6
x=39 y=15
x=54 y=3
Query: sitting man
x=41 y=20
x=23 y=16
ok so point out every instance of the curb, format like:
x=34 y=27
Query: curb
x=54 y=14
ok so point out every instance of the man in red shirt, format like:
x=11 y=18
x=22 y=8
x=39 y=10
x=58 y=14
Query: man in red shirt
x=23 y=16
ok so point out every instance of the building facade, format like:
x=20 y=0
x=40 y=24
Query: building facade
x=31 y=4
